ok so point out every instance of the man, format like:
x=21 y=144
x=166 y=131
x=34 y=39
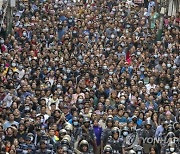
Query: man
x=147 y=132
x=10 y=121
x=107 y=131
x=116 y=141
x=43 y=148
x=151 y=85
x=88 y=134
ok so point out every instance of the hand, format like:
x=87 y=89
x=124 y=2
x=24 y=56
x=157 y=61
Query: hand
x=62 y=117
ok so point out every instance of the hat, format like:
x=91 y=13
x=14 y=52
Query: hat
x=175 y=92
x=28 y=138
x=43 y=142
x=140 y=81
x=134 y=117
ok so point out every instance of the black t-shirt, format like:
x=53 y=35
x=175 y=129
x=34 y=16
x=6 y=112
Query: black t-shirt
x=10 y=138
x=21 y=135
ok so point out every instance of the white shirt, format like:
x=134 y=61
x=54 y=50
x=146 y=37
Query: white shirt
x=21 y=73
x=149 y=86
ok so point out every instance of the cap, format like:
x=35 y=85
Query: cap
x=43 y=142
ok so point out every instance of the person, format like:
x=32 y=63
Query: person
x=147 y=132
x=107 y=132
x=64 y=61
x=171 y=148
x=76 y=129
x=115 y=141
x=43 y=148
x=10 y=121
x=87 y=133
x=107 y=150
x=84 y=147
x=98 y=132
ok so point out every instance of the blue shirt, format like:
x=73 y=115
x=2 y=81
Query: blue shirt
x=97 y=132
x=159 y=131
x=68 y=117
x=120 y=119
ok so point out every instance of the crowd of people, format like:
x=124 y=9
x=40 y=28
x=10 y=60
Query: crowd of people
x=90 y=77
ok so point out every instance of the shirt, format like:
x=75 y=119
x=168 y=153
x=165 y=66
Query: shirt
x=149 y=86
x=159 y=131
x=97 y=132
x=8 y=124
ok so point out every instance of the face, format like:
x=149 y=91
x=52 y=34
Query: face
x=11 y=117
x=115 y=136
x=152 y=151
x=84 y=148
x=51 y=132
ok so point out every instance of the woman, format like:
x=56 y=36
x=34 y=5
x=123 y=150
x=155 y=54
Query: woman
x=153 y=150
x=97 y=131
x=153 y=17
x=154 y=118
x=76 y=96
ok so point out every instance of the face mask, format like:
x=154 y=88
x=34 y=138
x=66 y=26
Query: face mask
x=174 y=67
x=27 y=108
x=13 y=64
x=174 y=88
x=2 y=41
x=80 y=100
x=59 y=86
x=75 y=123
x=110 y=73
x=105 y=67
x=171 y=149
x=20 y=67
x=125 y=133
x=165 y=55
x=10 y=72
x=56 y=59
x=65 y=77
x=61 y=100
x=49 y=85
x=155 y=56
x=42 y=120
x=131 y=67
x=122 y=44
x=123 y=101
x=108 y=49
x=103 y=37
x=49 y=68
x=166 y=87
x=142 y=69
x=80 y=57
x=168 y=65
x=24 y=33
x=68 y=70
x=112 y=36
x=94 y=86
x=138 y=53
x=138 y=73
